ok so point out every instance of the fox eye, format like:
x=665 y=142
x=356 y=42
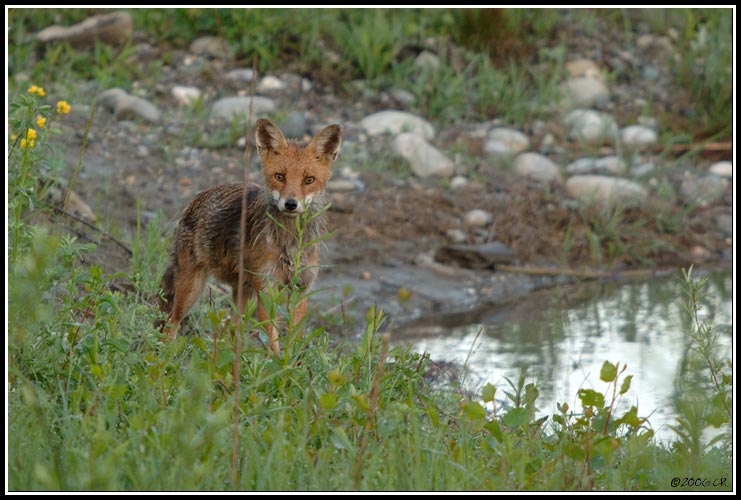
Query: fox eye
x=281 y=177
x=308 y=180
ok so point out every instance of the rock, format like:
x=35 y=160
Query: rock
x=126 y=106
x=537 y=166
x=605 y=190
x=75 y=205
x=590 y=126
x=583 y=92
x=212 y=46
x=424 y=159
x=185 y=94
x=403 y=96
x=294 y=126
x=396 y=122
x=722 y=169
x=115 y=28
x=654 y=48
x=270 y=83
x=584 y=68
x=306 y=85
x=456 y=235
x=700 y=253
x=703 y=191
x=458 y=182
x=637 y=136
x=606 y=165
x=344 y=185
x=478 y=218
x=483 y=256
x=241 y=75
x=427 y=60
x=227 y=108
x=502 y=141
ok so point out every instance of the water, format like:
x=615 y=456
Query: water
x=563 y=336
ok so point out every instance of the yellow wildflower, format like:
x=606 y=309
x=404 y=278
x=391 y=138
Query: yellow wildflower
x=31 y=134
x=35 y=89
x=63 y=107
x=30 y=143
x=41 y=121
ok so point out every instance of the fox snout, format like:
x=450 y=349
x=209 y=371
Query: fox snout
x=291 y=206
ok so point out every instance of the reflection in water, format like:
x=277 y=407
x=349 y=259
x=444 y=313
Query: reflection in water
x=562 y=337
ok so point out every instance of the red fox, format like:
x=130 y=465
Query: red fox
x=207 y=241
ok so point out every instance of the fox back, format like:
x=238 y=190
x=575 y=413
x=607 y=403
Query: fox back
x=207 y=241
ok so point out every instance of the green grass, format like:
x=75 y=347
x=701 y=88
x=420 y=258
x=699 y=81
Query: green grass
x=96 y=400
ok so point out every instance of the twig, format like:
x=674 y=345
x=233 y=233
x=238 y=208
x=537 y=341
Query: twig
x=371 y=409
x=82 y=221
x=240 y=288
x=78 y=167
x=587 y=275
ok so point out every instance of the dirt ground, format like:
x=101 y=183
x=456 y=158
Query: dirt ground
x=384 y=235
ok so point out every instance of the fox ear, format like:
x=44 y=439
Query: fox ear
x=269 y=137
x=327 y=143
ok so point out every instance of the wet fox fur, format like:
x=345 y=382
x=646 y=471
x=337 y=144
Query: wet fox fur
x=207 y=238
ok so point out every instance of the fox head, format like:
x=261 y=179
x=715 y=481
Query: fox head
x=296 y=172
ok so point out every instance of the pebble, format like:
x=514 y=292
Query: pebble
x=722 y=169
x=606 y=165
x=478 y=218
x=211 y=46
x=605 y=189
x=590 y=126
x=403 y=96
x=583 y=92
x=294 y=126
x=427 y=60
x=637 y=136
x=396 y=122
x=228 y=107
x=458 y=182
x=424 y=159
x=456 y=235
x=344 y=185
x=537 y=166
x=185 y=94
x=126 y=106
x=703 y=191
x=242 y=75
x=584 y=68
x=502 y=141
x=270 y=83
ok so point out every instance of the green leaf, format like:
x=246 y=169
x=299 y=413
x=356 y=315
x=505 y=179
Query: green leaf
x=516 y=417
x=608 y=372
x=336 y=378
x=339 y=439
x=361 y=400
x=121 y=345
x=433 y=414
x=328 y=400
x=474 y=411
x=224 y=358
x=631 y=418
x=626 y=384
x=487 y=394
x=590 y=397
x=495 y=429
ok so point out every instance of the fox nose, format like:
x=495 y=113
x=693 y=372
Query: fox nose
x=291 y=204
